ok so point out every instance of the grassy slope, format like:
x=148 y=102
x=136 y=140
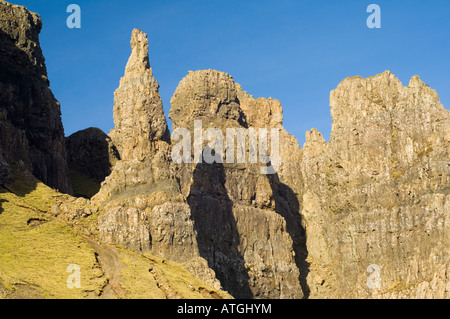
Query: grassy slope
x=83 y=185
x=36 y=248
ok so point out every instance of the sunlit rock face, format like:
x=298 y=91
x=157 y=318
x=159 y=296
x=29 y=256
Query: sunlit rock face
x=378 y=192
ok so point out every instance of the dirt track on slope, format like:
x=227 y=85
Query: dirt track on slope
x=110 y=262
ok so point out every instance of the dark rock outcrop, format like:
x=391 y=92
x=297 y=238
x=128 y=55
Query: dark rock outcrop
x=91 y=153
x=31 y=130
x=5 y=171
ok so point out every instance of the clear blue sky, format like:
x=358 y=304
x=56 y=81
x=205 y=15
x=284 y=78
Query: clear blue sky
x=295 y=51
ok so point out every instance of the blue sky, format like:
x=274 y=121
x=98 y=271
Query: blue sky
x=294 y=51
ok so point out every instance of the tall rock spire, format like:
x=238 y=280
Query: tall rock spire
x=142 y=138
x=138 y=62
x=138 y=111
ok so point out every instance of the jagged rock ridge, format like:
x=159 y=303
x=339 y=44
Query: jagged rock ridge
x=314 y=228
x=378 y=193
x=188 y=212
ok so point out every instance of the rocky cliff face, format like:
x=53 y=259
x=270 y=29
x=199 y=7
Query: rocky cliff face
x=5 y=171
x=374 y=198
x=378 y=192
x=143 y=177
x=30 y=119
x=248 y=225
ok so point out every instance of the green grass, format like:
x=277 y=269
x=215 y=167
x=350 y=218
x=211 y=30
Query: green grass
x=37 y=254
x=82 y=185
x=136 y=278
x=139 y=281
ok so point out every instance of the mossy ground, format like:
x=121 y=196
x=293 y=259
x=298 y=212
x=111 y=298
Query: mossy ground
x=147 y=274
x=82 y=185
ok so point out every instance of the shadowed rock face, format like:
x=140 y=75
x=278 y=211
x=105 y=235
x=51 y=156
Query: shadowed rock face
x=248 y=224
x=378 y=192
x=216 y=229
x=92 y=153
x=31 y=130
x=5 y=171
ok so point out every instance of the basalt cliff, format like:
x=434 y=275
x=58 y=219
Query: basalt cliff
x=191 y=213
x=31 y=130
